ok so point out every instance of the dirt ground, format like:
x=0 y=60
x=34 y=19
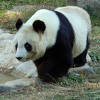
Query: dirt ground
x=73 y=87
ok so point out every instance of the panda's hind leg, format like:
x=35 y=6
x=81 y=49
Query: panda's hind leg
x=81 y=59
x=81 y=62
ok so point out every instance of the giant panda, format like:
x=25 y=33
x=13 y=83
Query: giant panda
x=55 y=40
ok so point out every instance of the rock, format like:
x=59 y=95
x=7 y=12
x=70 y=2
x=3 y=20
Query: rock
x=19 y=83
x=85 y=69
x=7 y=56
x=1 y=31
x=15 y=85
x=28 y=68
x=12 y=67
x=6 y=89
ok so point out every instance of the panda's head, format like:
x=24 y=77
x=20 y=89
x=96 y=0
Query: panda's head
x=35 y=36
x=28 y=40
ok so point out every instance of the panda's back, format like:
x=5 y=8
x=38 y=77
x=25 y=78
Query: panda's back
x=77 y=10
x=80 y=22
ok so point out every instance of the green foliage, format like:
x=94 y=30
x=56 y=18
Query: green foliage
x=89 y=9
x=70 y=79
x=6 y=5
x=75 y=78
x=95 y=20
x=94 y=56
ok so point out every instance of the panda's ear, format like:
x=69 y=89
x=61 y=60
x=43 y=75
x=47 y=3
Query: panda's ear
x=39 y=26
x=19 y=23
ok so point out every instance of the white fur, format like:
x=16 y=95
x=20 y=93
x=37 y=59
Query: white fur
x=21 y=52
x=81 y=24
x=38 y=41
x=52 y=25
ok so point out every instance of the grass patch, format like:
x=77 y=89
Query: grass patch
x=75 y=78
x=2 y=12
x=70 y=79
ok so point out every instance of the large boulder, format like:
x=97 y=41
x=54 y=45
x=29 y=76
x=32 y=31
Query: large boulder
x=13 y=74
x=7 y=57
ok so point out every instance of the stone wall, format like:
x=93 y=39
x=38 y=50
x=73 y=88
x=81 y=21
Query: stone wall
x=93 y=6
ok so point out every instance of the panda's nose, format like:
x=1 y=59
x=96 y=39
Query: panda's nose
x=19 y=58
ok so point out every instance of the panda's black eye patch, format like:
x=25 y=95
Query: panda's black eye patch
x=16 y=46
x=28 y=47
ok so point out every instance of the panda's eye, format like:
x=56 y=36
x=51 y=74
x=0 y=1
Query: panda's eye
x=28 y=46
x=16 y=46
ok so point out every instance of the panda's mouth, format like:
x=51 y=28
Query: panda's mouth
x=24 y=59
x=27 y=59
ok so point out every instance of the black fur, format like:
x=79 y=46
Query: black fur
x=39 y=26
x=19 y=23
x=58 y=59
x=28 y=47
x=16 y=46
